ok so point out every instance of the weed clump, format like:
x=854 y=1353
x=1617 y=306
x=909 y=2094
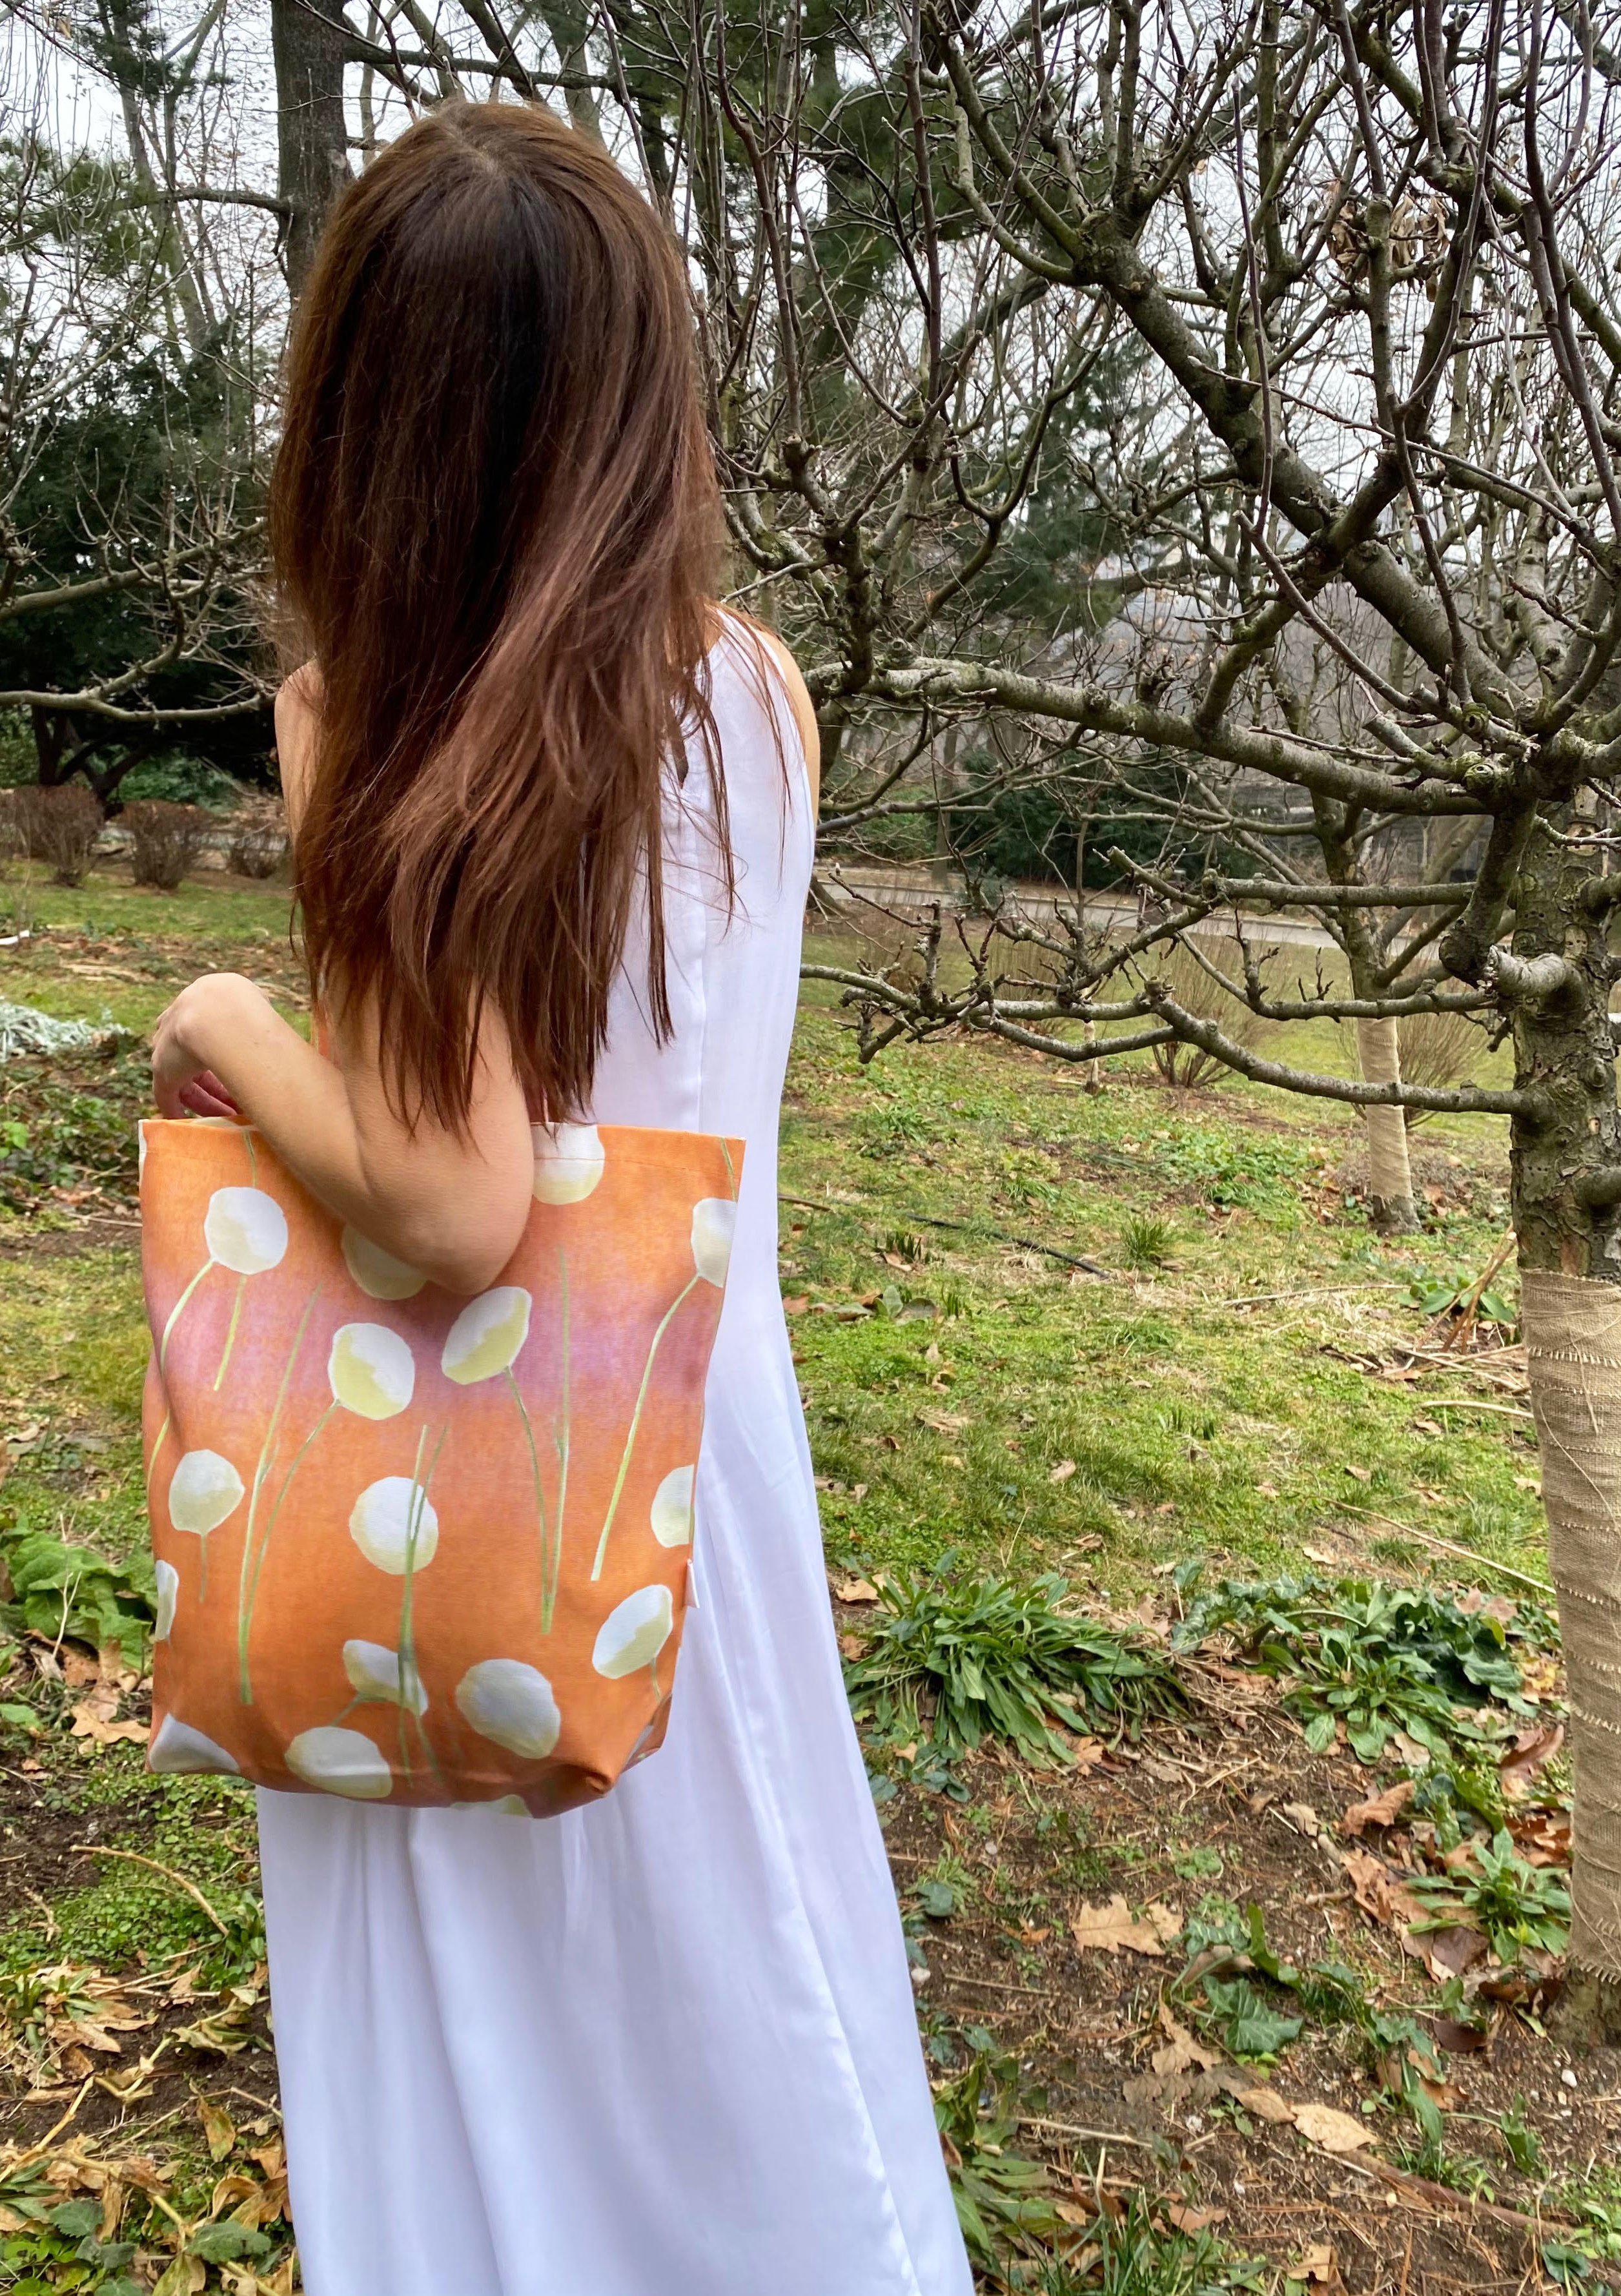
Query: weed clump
x=959 y=1664
x=1372 y=1659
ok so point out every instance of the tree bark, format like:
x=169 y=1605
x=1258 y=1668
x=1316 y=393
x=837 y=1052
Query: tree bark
x=1567 y=1194
x=1389 y=1174
x=309 y=44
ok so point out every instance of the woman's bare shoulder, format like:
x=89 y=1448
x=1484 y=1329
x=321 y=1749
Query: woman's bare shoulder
x=298 y=712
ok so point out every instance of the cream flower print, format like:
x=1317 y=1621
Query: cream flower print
x=512 y=1704
x=633 y=1633
x=245 y=1231
x=671 y=1508
x=714 y=1223
x=376 y=1673
x=486 y=1337
x=177 y=1750
x=168 y=1594
x=341 y=1762
x=203 y=1490
x=714 y=1220
x=484 y=1342
x=394 y=1525
x=371 y=1370
x=378 y=1273
x=568 y=1161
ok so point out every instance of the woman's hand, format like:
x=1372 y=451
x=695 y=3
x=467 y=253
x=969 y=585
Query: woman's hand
x=184 y=1083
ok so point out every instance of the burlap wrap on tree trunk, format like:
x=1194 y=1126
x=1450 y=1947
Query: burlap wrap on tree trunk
x=1379 y=1053
x=1573 y=1352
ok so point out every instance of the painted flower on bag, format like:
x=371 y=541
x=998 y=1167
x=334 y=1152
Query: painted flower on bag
x=486 y=1337
x=633 y=1633
x=341 y=1762
x=378 y=1273
x=394 y=1525
x=512 y=1704
x=714 y=1223
x=671 y=1508
x=203 y=1490
x=245 y=1230
x=376 y=1672
x=177 y=1750
x=568 y=1161
x=372 y=1371
x=168 y=1594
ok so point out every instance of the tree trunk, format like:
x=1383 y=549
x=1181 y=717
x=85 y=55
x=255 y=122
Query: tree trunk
x=1389 y=1177
x=1567 y=1187
x=309 y=48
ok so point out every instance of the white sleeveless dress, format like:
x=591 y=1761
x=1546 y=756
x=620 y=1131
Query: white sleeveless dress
x=665 y=2046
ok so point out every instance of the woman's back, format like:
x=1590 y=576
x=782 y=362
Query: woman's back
x=664 y=2044
x=667 y=2043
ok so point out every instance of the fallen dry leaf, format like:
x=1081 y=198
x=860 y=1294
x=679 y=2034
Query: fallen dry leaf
x=855 y=1590
x=1333 y=2130
x=92 y=1718
x=217 y=2126
x=1378 y=1891
x=1447 y=1953
x=1061 y=1473
x=1190 y=2219
x=1319 y=2263
x=1254 y=2096
x=1380 y=1809
x=1303 y=1818
x=1179 y=2052
x=1516 y=1771
x=944 y=1422
x=1112 y=1928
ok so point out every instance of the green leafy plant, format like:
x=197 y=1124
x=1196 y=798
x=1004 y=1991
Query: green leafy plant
x=1453 y=1289
x=1003 y=2199
x=1236 y=1168
x=957 y=1664
x=1130 y=2249
x=1365 y=1655
x=62 y=1590
x=1519 y=1908
x=1521 y=2141
x=1147 y=1242
x=1237 y=1988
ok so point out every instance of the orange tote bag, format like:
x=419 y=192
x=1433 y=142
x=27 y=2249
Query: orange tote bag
x=409 y=1548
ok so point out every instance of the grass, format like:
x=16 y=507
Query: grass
x=1053 y=1346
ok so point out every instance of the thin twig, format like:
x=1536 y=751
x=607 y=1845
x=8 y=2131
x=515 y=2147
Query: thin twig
x=97 y=1849
x=1447 y=1546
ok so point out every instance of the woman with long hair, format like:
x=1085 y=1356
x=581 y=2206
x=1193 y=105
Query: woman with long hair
x=554 y=813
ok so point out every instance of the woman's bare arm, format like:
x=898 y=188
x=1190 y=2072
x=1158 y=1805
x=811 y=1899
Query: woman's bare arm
x=452 y=1206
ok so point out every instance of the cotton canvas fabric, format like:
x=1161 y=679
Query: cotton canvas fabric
x=665 y=2044
x=411 y=1547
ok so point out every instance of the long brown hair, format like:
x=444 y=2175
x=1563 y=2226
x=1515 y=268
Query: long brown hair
x=495 y=530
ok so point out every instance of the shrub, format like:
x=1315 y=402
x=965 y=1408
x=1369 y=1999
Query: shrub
x=57 y=826
x=259 y=841
x=1180 y=971
x=1438 y=1049
x=164 y=839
